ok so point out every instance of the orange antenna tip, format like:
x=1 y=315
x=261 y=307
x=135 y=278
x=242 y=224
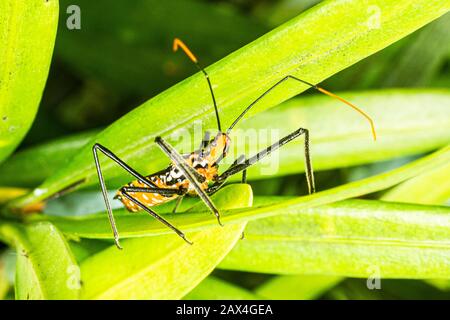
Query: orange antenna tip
x=374 y=133
x=177 y=43
x=365 y=115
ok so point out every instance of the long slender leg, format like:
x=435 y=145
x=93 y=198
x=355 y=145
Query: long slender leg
x=162 y=191
x=244 y=176
x=112 y=156
x=105 y=196
x=189 y=173
x=156 y=216
x=244 y=172
x=238 y=167
x=98 y=147
x=239 y=160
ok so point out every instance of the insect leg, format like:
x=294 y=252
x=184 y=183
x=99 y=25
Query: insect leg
x=189 y=173
x=98 y=147
x=156 y=216
x=126 y=167
x=241 y=159
x=162 y=191
x=244 y=172
x=244 y=176
x=238 y=167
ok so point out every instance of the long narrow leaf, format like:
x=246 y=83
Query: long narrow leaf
x=27 y=36
x=134 y=225
x=355 y=238
x=301 y=287
x=45 y=267
x=212 y=288
x=163 y=267
x=313 y=46
x=407 y=122
x=436 y=181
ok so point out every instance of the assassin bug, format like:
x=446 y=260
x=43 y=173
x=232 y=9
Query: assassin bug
x=197 y=173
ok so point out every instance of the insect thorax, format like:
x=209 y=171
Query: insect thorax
x=203 y=161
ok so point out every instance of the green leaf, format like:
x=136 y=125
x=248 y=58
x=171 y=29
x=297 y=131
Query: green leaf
x=163 y=267
x=212 y=288
x=302 y=287
x=278 y=12
x=32 y=165
x=310 y=287
x=436 y=182
x=421 y=54
x=27 y=35
x=134 y=225
x=84 y=248
x=355 y=238
x=45 y=267
x=4 y=281
x=412 y=191
x=313 y=46
x=407 y=121
x=441 y=284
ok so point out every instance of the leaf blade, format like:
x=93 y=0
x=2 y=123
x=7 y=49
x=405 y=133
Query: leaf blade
x=171 y=269
x=412 y=190
x=45 y=267
x=301 y=47
x=298 y=287
x=213 y=288
x=27 y=35
x=408 y=122
x=354 y=238
x=96 y=226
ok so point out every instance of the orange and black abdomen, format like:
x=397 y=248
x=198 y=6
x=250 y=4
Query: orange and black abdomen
x=171 y=178
x=150 y=199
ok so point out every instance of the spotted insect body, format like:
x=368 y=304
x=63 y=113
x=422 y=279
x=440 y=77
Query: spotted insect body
x=197 y=172
x=205 y=163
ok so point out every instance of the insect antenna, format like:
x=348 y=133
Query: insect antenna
x=328 y=93
x=177 y=43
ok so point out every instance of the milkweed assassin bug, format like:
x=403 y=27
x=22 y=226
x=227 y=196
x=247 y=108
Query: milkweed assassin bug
x=197 y=173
